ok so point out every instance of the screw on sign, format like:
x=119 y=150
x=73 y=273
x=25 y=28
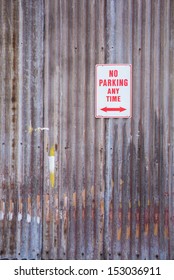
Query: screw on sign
x=113 y=91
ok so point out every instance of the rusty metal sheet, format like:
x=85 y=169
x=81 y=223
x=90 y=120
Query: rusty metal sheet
x=74 y=42
x=139 y=151
x=21 y=153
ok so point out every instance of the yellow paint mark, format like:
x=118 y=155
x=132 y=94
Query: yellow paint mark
x=148 y=202
x=52 y=179
x=119 y=234
x=52 y=151
x=30 y=128
x=155 y=229
x=139 y=204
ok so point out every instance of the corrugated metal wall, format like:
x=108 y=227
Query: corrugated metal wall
x=72 y=186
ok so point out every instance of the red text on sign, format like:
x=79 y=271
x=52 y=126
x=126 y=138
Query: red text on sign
x=113 y=98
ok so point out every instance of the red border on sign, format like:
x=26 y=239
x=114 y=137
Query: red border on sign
x=111 y=117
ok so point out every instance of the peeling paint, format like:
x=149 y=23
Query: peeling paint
x=10 y=216
x=52 y=165
x=19 y=217
x=39 y=129
x=28 y=218
x=1 y=215
x=38 y=220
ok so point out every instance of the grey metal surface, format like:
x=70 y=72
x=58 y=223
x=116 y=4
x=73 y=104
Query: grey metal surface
x=86 y=188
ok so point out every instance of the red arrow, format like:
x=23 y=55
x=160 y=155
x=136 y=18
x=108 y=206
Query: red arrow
x=121 y=109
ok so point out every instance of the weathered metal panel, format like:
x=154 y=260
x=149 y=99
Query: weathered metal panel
x=74 y=210
x=113 y=182
x=86 y=188
x=138 y=151
x=21 y=104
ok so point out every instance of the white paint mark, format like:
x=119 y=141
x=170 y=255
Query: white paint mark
x=28 y=218
x=31 y=129
x=61 y=215
x=41 y=128
x=1 y=215
x=10 y=216
x=19 y=217
x=51 y=163
x=38 y=219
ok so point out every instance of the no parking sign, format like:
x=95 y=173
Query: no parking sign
x=113 y=91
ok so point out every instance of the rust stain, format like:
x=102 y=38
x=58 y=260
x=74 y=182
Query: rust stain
x=74 y=199
x=29 y=205
x=11 y=205
x=47 y=207
x=166 y=223
x=146 y=229
x=128 y=229
x=119 y=234
x=102 y=208
x=56 y=208
x=65 y=201
x=138 y=222
x=119 y=229
x=13 y=143
x=110 y=211
x=2 y=205
x=156 y=222
x=83 y=197
x=92 y=191
x=20 y=205
x=38 y=206
x=93 y=202
x=83 y=203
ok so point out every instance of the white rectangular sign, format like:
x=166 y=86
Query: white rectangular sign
x=113 y=91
